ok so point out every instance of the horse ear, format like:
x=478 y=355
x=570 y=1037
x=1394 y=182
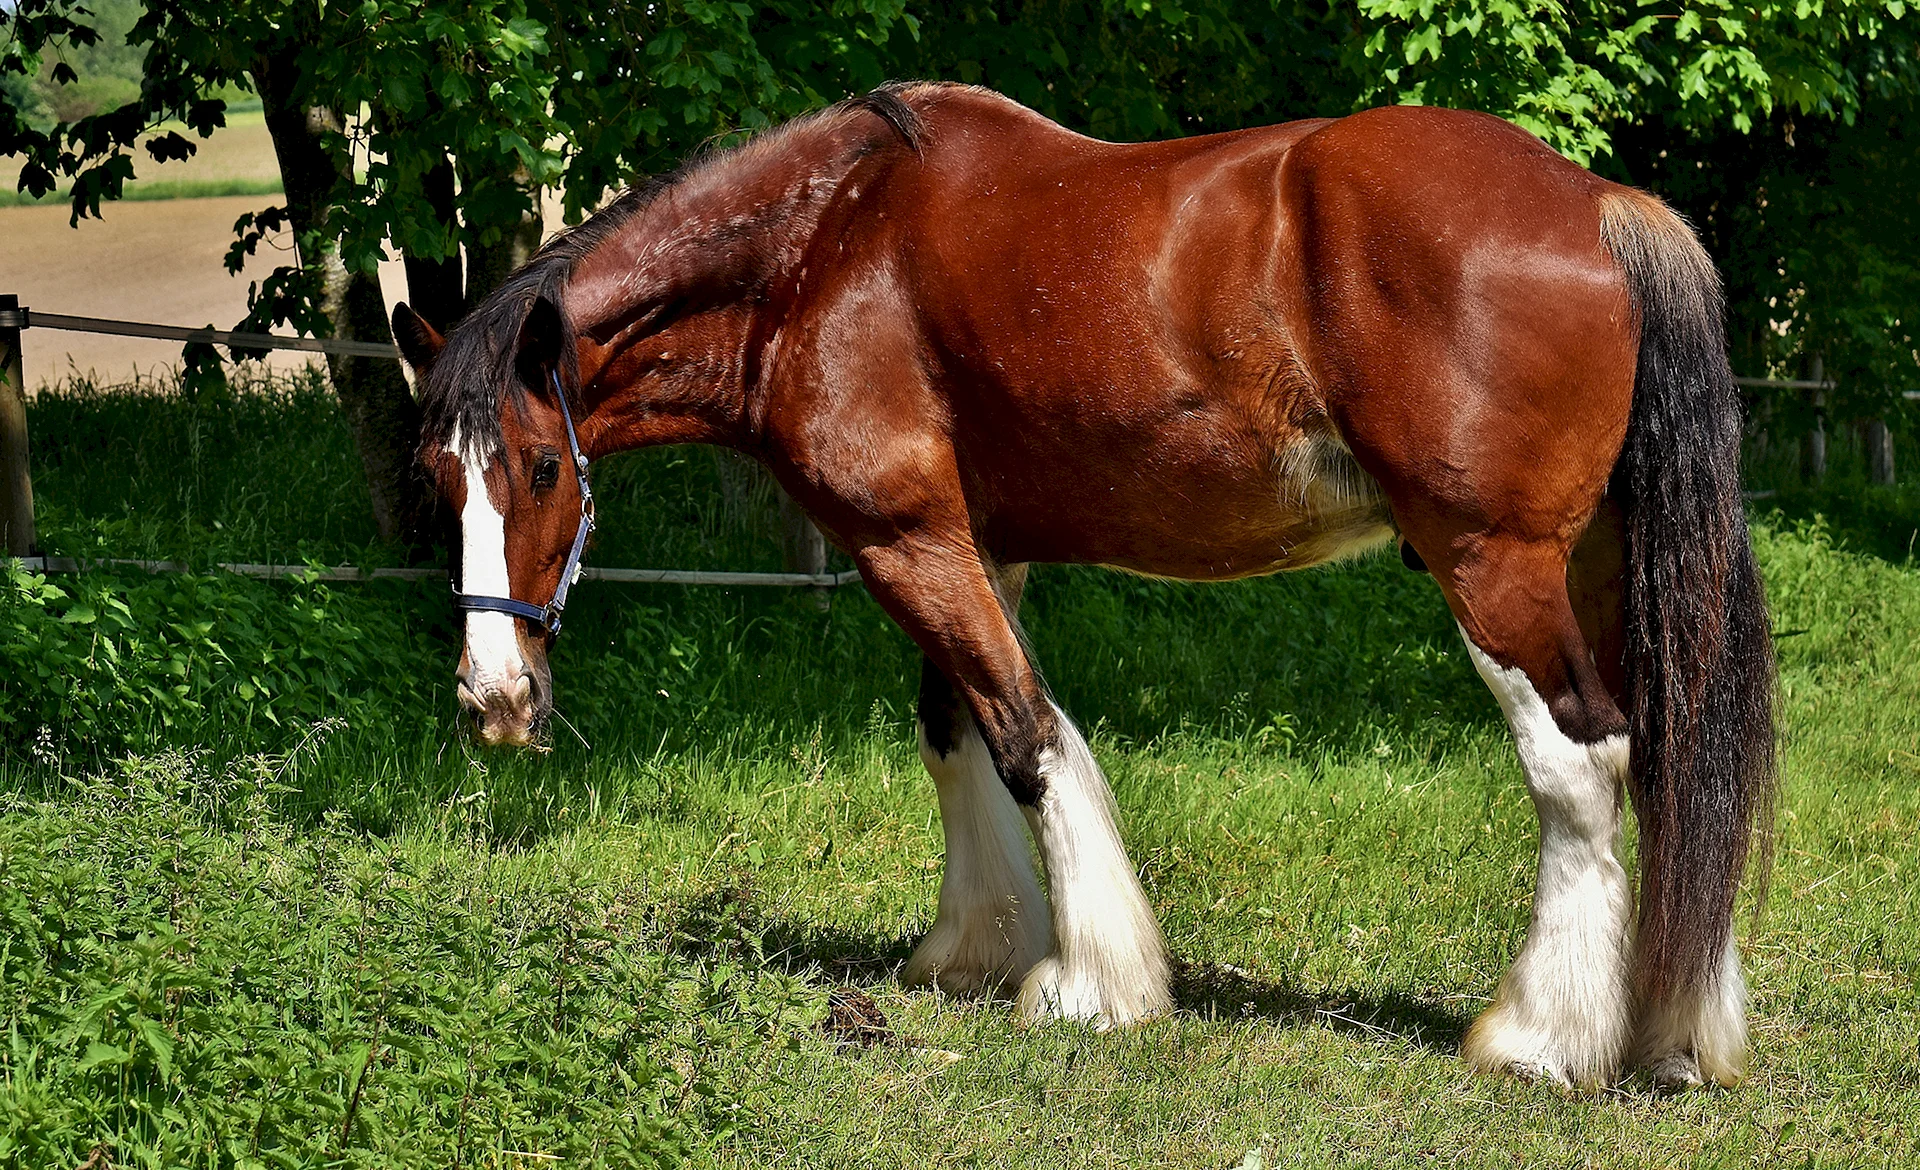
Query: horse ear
x=541 y=336
x=419 y=342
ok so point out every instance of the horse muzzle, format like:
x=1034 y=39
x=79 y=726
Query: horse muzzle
x=509 y=713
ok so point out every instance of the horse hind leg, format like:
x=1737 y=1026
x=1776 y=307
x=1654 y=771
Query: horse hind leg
x=992 y=925
x=1563 y=1011
x=1693 y=1034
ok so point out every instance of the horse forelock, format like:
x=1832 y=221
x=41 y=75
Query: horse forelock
x=474 y=376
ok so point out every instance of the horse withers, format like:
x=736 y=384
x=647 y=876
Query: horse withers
x=965 y=339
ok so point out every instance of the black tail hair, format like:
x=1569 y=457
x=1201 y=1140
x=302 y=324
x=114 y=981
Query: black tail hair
x=1699 y=655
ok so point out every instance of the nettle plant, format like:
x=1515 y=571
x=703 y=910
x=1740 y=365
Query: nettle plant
x=211 y=982
x=101 y=663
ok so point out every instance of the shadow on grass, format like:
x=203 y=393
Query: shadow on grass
x=727 y=923
x=1878 y=521
x=1335 y=661
x=1217 y=991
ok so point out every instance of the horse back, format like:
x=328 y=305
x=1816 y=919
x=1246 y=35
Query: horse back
x=1184 y=339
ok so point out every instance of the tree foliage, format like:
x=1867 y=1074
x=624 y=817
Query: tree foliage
x=453 y=117
x=1784 y=130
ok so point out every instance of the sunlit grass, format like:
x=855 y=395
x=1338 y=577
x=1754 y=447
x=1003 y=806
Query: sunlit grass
x=1326 y=809
x=157 y=189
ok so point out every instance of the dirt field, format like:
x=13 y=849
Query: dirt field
x=240 y=152
x=154 y=261
x=157 y=262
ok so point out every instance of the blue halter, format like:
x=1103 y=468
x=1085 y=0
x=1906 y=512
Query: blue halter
x=548 y=615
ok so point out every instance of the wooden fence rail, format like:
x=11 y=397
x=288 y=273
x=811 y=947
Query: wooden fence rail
x=356 y=573
x=803 y=547
x=1875 y=436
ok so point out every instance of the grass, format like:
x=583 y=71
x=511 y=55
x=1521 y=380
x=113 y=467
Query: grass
x=237 y=159
x=351 y=939
x=157 y=189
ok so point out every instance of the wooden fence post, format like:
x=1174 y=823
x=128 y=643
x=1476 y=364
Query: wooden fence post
x=16 y=485
x=802 y=546
x=1813 y=445
x=1879 y=440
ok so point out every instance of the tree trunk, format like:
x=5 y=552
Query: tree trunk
x=489 y=263
x=751 y=499
x=746 y=491
x=379 y=406
x=436 y=289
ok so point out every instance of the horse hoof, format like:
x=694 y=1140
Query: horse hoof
x=977 y=955
x=956 y=976
x=1675 y=1072
x=1535 y=1072
x=1495 y=1045
x=957 y=980
x=1053 y=992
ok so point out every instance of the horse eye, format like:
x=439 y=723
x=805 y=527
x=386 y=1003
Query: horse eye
x=546 y=473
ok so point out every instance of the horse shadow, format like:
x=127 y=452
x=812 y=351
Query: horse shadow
x=1221 y=991
x=724 y=924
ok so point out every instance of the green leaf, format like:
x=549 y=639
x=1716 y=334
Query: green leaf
x=158 y=1042
x=99 y=1054
x=1425 y=40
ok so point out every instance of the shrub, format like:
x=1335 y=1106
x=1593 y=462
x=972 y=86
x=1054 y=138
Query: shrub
x=189 y=981
x=102 y=662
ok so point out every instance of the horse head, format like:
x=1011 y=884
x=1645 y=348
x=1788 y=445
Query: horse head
x=506 y=461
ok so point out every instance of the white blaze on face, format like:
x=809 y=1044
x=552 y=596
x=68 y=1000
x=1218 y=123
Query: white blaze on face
x=493 y=649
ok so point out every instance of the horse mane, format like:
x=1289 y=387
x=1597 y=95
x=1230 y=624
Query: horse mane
x=461 y=393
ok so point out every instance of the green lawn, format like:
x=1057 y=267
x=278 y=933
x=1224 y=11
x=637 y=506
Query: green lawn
x=237 y=159
x=311 y=926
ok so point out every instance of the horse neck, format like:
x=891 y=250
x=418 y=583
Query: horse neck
x=709 y=246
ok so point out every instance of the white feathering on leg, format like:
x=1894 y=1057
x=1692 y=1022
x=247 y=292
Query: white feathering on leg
x=1700 y=1035
x=1109 y=964
x=1563 y=1011
x=992 y=924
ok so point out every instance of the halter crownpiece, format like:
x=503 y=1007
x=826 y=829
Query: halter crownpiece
x=548 y=615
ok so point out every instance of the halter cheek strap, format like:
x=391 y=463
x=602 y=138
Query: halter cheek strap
x=548 y=615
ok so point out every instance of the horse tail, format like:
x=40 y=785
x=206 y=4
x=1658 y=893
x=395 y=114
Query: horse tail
x=1699 y=656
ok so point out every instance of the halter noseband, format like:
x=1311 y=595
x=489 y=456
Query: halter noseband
x=548 y=616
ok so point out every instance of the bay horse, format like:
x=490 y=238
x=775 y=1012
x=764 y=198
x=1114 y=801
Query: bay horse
x=965 y=339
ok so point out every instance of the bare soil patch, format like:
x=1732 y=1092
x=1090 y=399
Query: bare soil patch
x=158 y=261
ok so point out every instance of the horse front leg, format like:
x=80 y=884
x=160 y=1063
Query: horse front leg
x=1106 y=963
x=992 y=925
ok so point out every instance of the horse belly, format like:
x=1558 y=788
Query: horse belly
x=1207 y=519
x=1337 y=510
